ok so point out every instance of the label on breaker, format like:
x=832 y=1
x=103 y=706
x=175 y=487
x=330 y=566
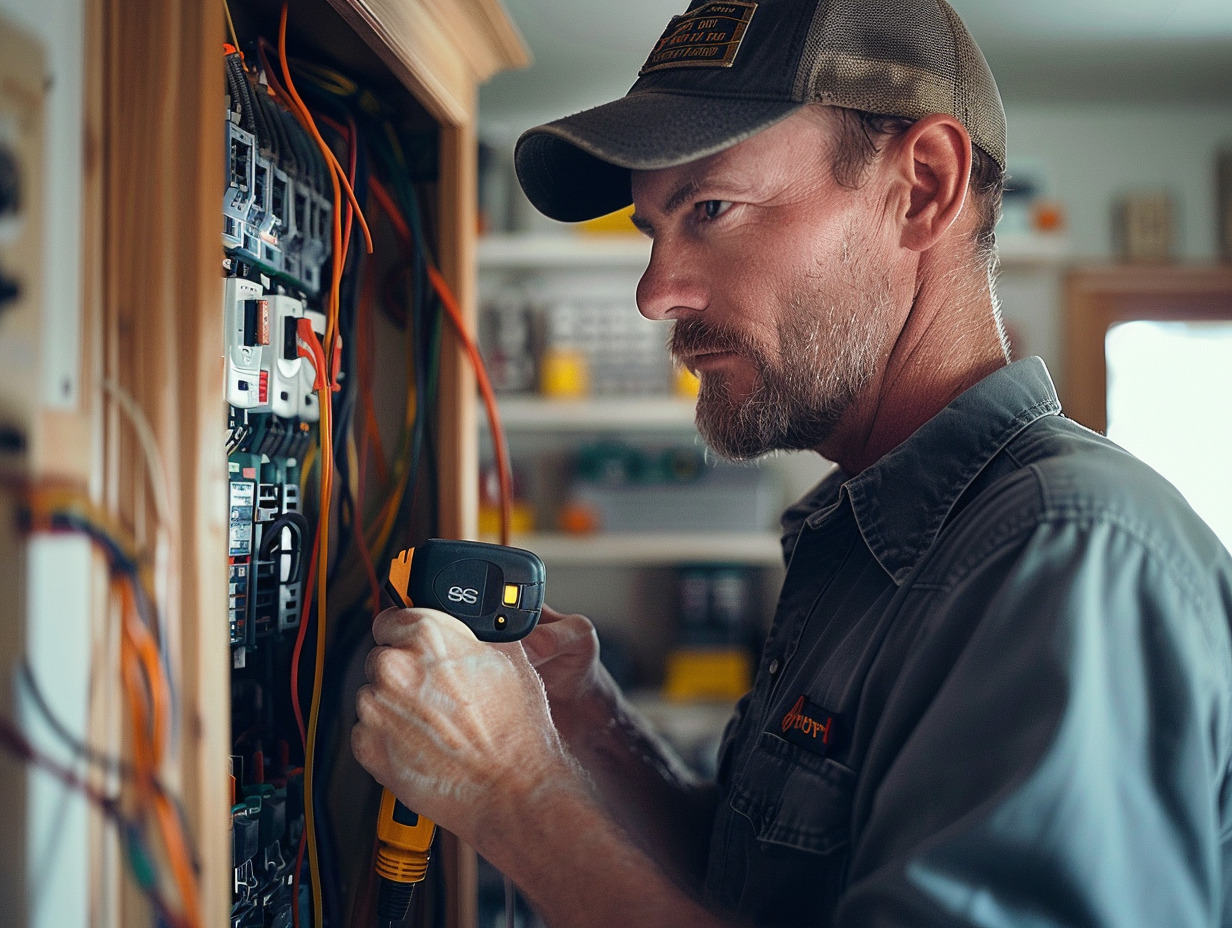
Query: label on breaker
x=239 y=533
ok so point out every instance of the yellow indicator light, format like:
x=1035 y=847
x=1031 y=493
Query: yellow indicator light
x=511 y=594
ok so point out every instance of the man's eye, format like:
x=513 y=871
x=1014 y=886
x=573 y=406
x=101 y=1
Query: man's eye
x=712 y=209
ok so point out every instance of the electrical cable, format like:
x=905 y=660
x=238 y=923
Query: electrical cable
x=79 y=748
x=165 y=532
x=138 y=856
x=338 y=180
x=340 y=415
x=494 y=424
x=481 y=375
x=143 y=675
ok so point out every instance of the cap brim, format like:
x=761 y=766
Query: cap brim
x=578 y=167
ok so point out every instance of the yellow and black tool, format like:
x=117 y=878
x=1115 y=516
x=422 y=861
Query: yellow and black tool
x=498 y=592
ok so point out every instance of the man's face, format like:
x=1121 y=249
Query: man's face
x=779 y=284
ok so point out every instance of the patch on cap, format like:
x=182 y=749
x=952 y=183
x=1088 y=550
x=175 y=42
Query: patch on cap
x=707 y=37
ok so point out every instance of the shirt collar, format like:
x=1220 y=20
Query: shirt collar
x=901 y=502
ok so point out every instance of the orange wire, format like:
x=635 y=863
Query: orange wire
x=306 y=119
x=140 y=657
x=489 y=401
x=325 y=430
x=374 y=585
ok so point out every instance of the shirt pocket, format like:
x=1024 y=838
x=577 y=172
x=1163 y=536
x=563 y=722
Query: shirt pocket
x=795 y=797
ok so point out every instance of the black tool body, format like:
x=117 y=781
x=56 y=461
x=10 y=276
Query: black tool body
x=497 y=591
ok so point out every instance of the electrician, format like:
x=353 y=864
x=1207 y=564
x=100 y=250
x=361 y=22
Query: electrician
x=998 y=686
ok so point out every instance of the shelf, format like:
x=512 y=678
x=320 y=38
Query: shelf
x=514 y=251
x=1024 y=249
x=537 y=413
x=527 y=252
x=655 y=548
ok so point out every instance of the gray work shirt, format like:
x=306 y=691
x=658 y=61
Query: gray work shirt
x=997 y=691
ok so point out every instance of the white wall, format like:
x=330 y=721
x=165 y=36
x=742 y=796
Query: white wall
x=1097 y=152
x=52 y=892
x=1089 y=155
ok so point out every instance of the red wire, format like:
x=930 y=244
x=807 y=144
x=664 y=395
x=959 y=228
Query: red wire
x=304 y=615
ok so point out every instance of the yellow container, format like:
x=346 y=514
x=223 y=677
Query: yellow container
x=707 y=673
x=564 y=373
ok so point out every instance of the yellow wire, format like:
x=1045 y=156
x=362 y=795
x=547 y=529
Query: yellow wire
x=329 y=79
x=235 y=39
x=318 y=671
x=338 y=180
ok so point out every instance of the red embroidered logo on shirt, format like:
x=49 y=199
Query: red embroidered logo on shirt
x=810 y=726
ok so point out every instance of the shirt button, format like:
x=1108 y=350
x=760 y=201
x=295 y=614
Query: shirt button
x=774 y=666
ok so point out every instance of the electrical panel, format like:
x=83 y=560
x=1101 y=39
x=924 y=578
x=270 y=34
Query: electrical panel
x=317 y=498
x=276 y=217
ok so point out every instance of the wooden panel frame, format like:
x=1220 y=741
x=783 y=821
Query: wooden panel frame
x=1098 y=298
x=152 y=279
x=157 y=142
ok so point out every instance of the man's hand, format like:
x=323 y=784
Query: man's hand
x=564 y=649
x=456 y=728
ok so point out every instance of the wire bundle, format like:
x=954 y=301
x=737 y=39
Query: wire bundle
x=148 y=704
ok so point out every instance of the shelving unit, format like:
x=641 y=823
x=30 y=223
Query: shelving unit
x=642 y=413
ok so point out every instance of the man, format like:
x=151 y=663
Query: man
x=998 y=687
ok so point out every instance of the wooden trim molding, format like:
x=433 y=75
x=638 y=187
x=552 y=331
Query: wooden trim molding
x=1097 y=298
x=440 y=49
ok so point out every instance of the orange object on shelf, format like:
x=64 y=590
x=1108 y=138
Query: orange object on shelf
x=578 y=518
x=1047 y=216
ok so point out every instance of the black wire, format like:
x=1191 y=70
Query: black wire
x=303 y=532
x=78 y=747
x=266 y=141
x=14 y=741
x=248 y=116
x=279 y=140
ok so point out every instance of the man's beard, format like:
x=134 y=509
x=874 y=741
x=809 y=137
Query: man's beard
x=826 y=360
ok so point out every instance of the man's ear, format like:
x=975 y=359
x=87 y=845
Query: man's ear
x=931 y=163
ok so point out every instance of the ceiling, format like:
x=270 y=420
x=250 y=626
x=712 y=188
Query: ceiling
x=1041 y=51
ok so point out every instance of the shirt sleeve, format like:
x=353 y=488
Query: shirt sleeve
x=1055 y=753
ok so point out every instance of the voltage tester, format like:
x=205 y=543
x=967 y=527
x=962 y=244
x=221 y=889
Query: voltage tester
x=497 y=591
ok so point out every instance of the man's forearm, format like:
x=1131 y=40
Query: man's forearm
x=580 y=869
x=645 y=787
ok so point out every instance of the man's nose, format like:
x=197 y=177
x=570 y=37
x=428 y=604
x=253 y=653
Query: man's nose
x=671 y=286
